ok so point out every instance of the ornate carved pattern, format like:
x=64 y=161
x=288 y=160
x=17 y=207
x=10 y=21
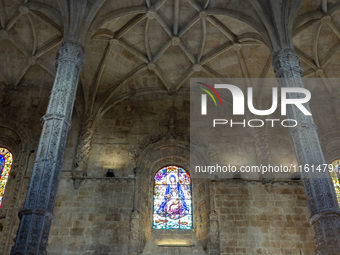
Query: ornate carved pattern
x=34 y=228
x=261 y=145
x=176 y=130
x=263 y=153
x=214 y=232
x=18 y=142
x=134 y=236
x=153 y=157
x=84 y=145
x=318 y=186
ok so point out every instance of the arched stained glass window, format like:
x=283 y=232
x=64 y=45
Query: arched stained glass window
x=6 y=160
x=172 y=206
x=335 y=174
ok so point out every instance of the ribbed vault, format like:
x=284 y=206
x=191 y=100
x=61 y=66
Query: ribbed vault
x=153 y=45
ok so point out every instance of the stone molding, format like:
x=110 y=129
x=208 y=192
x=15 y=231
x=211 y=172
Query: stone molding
x=151 y=159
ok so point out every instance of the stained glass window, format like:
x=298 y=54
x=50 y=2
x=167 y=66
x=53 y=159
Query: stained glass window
x=335 y=174
x=172 y=207
x=6 y=160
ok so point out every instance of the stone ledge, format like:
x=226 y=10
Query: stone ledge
x=104 y=179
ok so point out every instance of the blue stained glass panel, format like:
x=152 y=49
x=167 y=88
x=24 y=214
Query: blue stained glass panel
x=172 y=199
x=186 y=222
x=2 y=164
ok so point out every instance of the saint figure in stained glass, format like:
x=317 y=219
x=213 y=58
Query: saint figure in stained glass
x=174 y=205
x=335 y=174
x=5 y=167
x=172 y=199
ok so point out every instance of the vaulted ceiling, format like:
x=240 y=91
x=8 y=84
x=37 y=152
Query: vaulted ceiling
x=134 y=46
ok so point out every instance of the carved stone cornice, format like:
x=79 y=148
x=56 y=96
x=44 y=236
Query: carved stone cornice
x=71 y=51
x=101 y=179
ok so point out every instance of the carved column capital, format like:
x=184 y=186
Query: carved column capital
x=70 y=51
x=286 y=63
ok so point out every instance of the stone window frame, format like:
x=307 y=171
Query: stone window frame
x=153 y=157
x=191 y=191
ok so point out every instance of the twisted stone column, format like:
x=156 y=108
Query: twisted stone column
x=37 y=215
x=84 y=144
x=82 y=152
x=321 y=198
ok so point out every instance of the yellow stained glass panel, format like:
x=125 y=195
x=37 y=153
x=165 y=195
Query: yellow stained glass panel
x=335 y=174
x=6 y=160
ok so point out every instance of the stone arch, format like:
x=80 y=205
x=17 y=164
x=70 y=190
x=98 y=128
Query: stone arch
x=17 y=139
x=160 y=154
x=331 y=146
x=331 y=150
x=13 y=136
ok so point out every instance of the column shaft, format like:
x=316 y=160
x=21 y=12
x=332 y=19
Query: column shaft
x=37 y=215
x=321 y=198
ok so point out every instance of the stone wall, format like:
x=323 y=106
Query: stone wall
x=93 y=219
x=201 y=198
x=252 y=218
x=263 y=219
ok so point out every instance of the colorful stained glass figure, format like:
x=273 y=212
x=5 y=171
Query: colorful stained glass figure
x=335 y=174
x=6 y=160
x=172 y=208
